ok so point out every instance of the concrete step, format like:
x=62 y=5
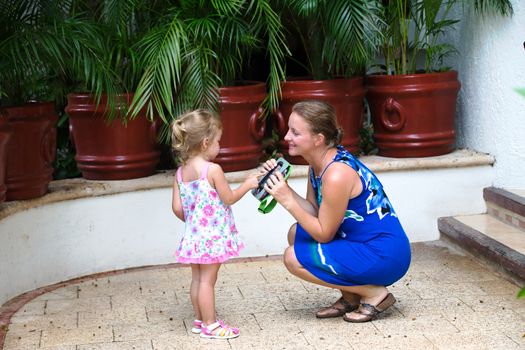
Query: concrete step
x=507 y=205
x=488 y=239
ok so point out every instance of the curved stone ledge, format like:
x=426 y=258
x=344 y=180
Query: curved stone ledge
x=63 y=190
x=86 y=227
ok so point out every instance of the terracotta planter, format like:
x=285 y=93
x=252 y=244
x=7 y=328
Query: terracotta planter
x=345 y=95
x=31 y=150
x=5 y=135
x=111 y=150
x=243 y=130
x=413 y=115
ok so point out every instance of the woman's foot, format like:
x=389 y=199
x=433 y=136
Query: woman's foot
x=337 y=309
x=367 y=312
x=219 y=330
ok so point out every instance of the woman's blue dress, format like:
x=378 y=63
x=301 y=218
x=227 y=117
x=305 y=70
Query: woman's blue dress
x=370 y=246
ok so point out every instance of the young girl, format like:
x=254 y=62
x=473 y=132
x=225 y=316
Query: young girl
x=202 y=198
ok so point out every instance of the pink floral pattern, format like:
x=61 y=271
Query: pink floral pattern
x=210 y=235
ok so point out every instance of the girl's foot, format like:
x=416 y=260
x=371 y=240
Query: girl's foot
x=219 y=330
x=197 y=327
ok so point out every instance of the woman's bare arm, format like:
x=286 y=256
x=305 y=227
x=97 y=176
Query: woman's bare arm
x=339 y=185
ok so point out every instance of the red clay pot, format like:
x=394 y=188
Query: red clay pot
x=413 y=115
x=111 y=150
x=31 y=150
x=5 y=135
x=243 y=130
x=345 y=95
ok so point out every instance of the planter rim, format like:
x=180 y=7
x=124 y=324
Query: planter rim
x=20 y=112
x=307 y=79
x=418 y=76
x=249 y=85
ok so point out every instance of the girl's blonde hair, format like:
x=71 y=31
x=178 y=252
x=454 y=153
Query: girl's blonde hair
x=189 y=131
x=321 y=118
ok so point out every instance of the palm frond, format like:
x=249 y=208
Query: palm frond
x=163 y=50
x=503 y=7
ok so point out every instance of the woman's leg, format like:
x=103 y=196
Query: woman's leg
x=206 y=295
x=194 y=290
x=370 y=294
x=291 y=261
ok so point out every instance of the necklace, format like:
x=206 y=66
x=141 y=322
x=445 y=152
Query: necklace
x=322 y=167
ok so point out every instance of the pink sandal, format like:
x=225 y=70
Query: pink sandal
x=197 y=327
x=219 y=330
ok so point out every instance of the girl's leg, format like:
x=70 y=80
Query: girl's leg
x=206 y=295
x=370 y=294
x=194 y=290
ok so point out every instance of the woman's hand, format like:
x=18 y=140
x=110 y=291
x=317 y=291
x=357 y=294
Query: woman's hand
x=278 y=188
x=267 y=166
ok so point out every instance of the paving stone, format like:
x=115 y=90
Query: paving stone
x=260 y=291
x=131 y=345
x=392 y=342
x=22 y=339
x=115 y=316
x=107 y=288
x=406 y=325
x=102 y=303
x=489 y=339
x=86 y=335
x=34 y=307
x=145 y=331
x=63 y=320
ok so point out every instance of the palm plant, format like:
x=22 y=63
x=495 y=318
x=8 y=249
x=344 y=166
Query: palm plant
x=412 y=27
x=198 y=46
x=339 y=38
x=40 y=41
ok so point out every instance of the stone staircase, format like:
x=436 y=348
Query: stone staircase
x=497 y=237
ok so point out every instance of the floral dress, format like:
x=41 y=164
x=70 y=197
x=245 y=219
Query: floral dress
x=210 y=234
x=370 y=246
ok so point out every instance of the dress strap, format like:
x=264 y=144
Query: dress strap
x=205 y=171
x=325 y=168
x=179 y=174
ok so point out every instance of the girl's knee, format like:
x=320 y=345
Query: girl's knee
x=291 y=234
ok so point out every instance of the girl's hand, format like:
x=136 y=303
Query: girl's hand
x=278 y=188
x=252 y=180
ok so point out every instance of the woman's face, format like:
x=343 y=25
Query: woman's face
x=299 y=137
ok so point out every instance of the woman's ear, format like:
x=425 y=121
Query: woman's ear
x=319 y=140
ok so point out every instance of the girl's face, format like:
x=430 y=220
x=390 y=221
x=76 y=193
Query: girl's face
x=213 y=146
x=299 y=137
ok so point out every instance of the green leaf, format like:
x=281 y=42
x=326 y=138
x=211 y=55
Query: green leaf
x=521 y=294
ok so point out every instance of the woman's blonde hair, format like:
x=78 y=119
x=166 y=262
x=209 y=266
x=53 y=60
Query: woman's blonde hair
x=189 y=131
x=321 y=118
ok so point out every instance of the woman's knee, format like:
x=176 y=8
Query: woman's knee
x=291 y=234
x=290 y=260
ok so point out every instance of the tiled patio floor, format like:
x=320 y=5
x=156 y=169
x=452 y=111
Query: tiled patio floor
x=446 y=301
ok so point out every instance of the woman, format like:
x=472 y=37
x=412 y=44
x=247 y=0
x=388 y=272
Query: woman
x=347 y=234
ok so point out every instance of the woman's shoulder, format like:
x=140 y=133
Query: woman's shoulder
x=344 y=156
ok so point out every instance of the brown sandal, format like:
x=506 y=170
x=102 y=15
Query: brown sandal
x=336 y=311
x=367 y=312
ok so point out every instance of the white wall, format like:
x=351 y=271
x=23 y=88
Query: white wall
x=491 y=115
x=63 y=240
